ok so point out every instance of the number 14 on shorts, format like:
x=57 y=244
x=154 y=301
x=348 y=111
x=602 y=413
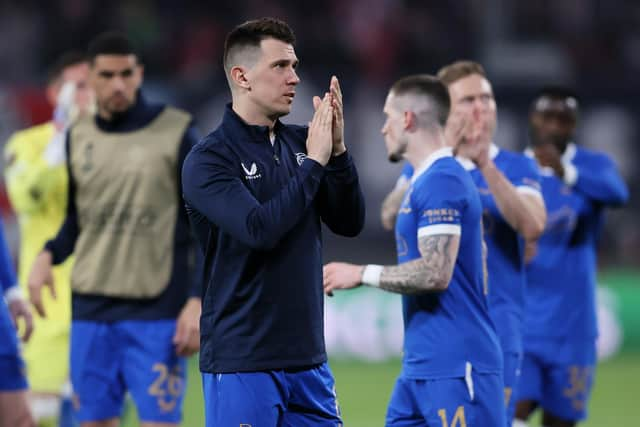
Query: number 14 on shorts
x=458 y=418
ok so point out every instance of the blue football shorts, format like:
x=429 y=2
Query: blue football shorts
x=110 y=359
x=474 y=401
x=278 y=398
x=12 y=368
x=512 y=371
x=558 y=375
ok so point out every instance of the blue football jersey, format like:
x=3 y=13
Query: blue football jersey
x=405 y=174
x=561 y=279
x=446 y=331
x=505 y=257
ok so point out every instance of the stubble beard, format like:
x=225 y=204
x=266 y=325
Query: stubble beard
x=398 y=155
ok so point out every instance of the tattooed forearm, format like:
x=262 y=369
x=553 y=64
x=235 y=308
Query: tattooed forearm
x=391 y=205
x=431 y=272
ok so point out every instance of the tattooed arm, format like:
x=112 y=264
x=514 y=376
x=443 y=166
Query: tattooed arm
x=391 y=205
x=430 y=273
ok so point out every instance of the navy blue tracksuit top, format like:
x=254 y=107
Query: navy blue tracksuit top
x=256 y=210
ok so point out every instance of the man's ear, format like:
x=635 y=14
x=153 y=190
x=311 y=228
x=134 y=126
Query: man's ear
x=409 y=120
x=239 y=77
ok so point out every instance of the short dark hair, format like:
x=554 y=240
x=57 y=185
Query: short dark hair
x=67 y=59
x=251 y=33
x=110 y=43
x=559 y=93
x=455 y=71
x=429 y=87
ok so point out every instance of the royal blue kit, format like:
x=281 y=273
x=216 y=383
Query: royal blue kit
x=505 y=263
x=285 y=398
x=12 y=374
x=560 y=321
x=451 y=350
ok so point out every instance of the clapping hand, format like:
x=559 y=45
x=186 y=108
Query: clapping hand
x=319 y=139
x=476 y=142
x=337 y=129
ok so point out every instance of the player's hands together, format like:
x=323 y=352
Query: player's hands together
x=320 y=139
x=337 y=128
x=19 y=309
x=187 y=336
x=41 y=275
x=341 y=275
x=476 y=143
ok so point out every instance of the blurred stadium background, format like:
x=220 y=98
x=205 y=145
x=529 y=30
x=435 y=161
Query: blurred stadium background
x=591 y=45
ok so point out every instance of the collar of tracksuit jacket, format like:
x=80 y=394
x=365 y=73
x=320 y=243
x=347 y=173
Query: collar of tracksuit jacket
x=233 y=124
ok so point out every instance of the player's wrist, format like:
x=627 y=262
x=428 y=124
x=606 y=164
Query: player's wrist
x=371 y=274
x=194 y=301
x=46 y=254
x=320 y=159
x=339 y=149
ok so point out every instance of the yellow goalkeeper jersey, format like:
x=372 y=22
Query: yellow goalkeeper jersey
x=38 y=195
